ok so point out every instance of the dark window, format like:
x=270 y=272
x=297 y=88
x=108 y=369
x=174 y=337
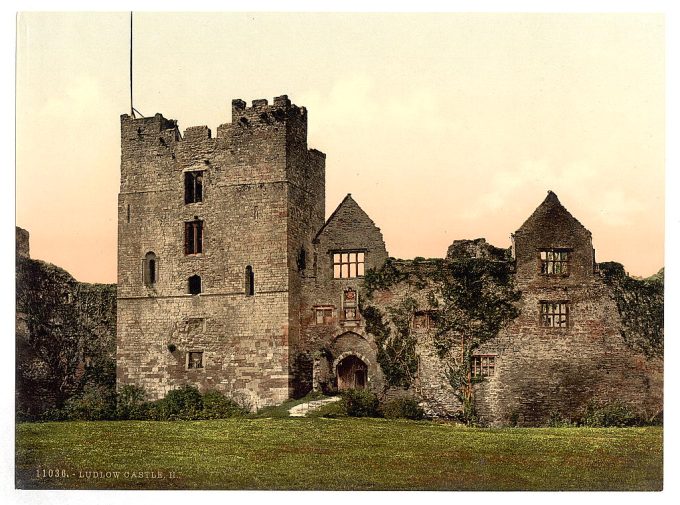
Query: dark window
x=424 y=320
x=193 y=237
x=302 y=259
x=554 y=262
x=483 y=365
x=193 y=187
x=555 y=314
x=195 y=285
x=250 y=281
x=128 y=213
x=347 y=265
x=150 y=267
x=195 y=359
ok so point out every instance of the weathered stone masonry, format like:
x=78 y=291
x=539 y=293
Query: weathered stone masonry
x=277 y=292
x=262 y=203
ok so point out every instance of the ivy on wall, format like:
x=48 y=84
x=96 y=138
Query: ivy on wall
x=640 y=303
x=65 y=340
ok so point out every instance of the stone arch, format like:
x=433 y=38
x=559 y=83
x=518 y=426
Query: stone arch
x=348 y=334
x=342 y=356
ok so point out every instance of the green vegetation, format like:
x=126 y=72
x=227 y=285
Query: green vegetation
x=403 y=408
x=640 y=303
x=320 y=453
x=396 y=349
x=469 y=299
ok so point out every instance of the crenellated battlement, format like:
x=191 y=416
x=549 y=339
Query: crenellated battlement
x=261 y=112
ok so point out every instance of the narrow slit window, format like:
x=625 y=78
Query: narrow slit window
x=250 y=281
x=193 y=237
x=150 y=269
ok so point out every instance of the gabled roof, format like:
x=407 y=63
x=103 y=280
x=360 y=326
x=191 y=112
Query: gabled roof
x=551 y=206
x=347 y=206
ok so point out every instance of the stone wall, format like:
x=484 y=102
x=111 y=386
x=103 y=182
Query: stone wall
x=347 y=229
x=65 y=336
x=262 y=202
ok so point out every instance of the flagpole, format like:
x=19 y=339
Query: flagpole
x=132 y=108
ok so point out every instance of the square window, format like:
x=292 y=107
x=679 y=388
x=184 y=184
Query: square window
x=195 y=359
x=483 y=365
x=555 y=314
x=323 y=315
x=348 y=265
x=554 y=261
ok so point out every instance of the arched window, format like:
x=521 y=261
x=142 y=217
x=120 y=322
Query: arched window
x=194 y=285
x=250 y=281
x=150 y=269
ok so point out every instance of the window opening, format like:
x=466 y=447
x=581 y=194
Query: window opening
x=195 y=285
x=555 y=314
x=193 y=187
x=347 y=265
x=193 y=237
x=250 y=281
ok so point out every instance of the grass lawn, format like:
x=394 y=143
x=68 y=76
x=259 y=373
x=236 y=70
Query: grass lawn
x=334 y=454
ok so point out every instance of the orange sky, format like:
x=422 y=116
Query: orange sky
x=442 y=126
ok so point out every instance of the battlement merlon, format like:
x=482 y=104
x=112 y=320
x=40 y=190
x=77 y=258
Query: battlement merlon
x=154 y=124
x=261 y=112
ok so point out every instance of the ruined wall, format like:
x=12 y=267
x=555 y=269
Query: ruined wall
x=65 y=336
x=543 y=371
x=250 y=210
x=22 y=243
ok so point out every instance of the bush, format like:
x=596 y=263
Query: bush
x=614 y=414
x=130 y=403
x=218 y=406
x=94 y=403
x=182 y=403
x=557 y=420
x=360 y=403
x=403 y=408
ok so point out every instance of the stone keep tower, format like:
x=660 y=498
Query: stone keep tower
x=214 y=236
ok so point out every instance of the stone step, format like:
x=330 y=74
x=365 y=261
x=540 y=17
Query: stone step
x=302 y=409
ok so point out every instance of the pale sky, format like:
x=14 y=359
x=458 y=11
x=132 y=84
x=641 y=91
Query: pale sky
x=442 y=126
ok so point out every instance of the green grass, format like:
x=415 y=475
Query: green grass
x=319 y=453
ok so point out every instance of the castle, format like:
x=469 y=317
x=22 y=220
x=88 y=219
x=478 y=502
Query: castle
x=230 y=278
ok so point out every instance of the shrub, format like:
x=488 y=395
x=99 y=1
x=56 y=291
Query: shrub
x=182 y=403
x=94 y=403
x=403 y=408
x=360 y=403
x=557 y=420
x=614 y=414
x=130 y=403
x=218 y=406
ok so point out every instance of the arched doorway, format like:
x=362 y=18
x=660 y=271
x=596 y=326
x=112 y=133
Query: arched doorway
x=352 y=373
